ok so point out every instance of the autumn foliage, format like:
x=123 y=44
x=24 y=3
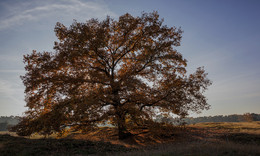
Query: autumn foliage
x=123 y=71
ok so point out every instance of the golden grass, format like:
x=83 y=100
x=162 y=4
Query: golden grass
x=213 y=139
x=225 y=138
x=9 y=133
x=235 y=127
x=140 y=138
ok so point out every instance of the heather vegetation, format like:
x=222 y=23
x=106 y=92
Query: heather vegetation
x=222 y=138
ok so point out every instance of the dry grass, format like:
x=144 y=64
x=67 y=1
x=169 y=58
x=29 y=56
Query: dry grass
x=140 y=138
x=197 y=148
x=216 y=139
x=199 y=139
x=7 y=132
x=232 y=127
x=13 y=146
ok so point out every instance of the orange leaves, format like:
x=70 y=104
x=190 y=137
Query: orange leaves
x=110 y=70
x=60 y=30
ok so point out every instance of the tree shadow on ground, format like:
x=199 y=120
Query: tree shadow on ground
x=10 y=145
x=242 y=138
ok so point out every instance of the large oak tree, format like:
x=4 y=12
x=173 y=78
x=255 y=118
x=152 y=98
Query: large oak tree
x=111 y=70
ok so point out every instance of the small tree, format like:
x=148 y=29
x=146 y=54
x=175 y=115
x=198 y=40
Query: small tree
x=3 y=126
x=248 y=117
x=109 y=70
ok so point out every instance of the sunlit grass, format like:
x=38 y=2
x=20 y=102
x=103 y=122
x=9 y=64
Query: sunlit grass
x=9 y=133
x=238 y=127
x=223 y=138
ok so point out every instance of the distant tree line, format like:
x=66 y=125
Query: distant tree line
x=247 y=117
x=8 y=121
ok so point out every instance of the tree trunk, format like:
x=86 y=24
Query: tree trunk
x=122 y=131
x=120 y=114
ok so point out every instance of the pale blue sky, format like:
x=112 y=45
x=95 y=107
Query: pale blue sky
x=221 y=35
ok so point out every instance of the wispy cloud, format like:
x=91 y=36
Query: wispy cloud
x=10 y=58
x=12 y=71
x=9 y=91
x=11 y=101
x=39 y=10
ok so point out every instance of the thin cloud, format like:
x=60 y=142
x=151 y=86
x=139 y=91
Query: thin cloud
x=11 y=100
x=12 y=71
x=39 y=10
x=9 y=90
x=10 y=58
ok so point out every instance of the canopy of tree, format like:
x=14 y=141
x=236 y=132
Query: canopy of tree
x=124 y=71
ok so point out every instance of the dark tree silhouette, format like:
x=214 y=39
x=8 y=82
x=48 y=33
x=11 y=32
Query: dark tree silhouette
x=247 y=117
x=3 y=126
x=113 y=70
